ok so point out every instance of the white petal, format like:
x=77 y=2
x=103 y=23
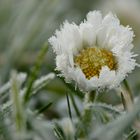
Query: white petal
x=112 y=34
x=61 y=66
x=110 y=19
x=110 y=26
x=68 y=39
x=88 y=34
x=94 y=18
x=107 y=76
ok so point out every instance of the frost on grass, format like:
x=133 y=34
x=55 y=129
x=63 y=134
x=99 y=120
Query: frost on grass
x=97 y=54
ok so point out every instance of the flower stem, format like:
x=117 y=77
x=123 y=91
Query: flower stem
x=87 y=114
x=128 y=89
x=127 y=96
x=86 y=118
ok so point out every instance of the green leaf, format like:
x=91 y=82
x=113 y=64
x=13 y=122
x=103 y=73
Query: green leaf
x=74 y=105
x=18 y=111
x=59 y=132
x=69 y=107
x=117 y=127
x=34 y=73
x=107 y=107
x=44 y=108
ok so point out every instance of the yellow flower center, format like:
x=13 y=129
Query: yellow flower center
x=91 y=61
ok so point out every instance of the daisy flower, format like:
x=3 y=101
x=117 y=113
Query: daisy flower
x=95 y=54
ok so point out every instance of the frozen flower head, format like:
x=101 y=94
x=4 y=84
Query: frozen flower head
x=96 y=54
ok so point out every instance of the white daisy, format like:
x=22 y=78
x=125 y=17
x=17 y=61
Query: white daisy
x=96 y=54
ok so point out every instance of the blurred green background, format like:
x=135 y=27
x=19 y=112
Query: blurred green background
x=25 y=25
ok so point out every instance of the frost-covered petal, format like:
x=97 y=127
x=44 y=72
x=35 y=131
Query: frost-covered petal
x=62 y=66
x=108 y=28
x=104 y=80
x=68 y=39
x=112 y=34
x=88 y=34
x=110 y=19
x=94 y=18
